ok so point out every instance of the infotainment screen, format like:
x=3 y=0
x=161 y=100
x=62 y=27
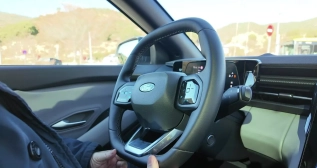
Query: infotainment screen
x=192 y=67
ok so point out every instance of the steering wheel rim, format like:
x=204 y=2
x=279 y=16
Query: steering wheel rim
x=213 y=81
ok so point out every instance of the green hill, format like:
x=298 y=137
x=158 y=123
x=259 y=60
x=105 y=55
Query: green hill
x=7 y=18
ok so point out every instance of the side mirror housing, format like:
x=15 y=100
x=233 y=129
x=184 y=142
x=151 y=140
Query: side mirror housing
x=125 y=48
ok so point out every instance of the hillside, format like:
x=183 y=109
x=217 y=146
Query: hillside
x=65 y=34
x=7 y=18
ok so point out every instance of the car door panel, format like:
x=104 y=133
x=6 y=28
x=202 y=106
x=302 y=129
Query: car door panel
x=100 y=133
x=67 y=95
x=71 y=103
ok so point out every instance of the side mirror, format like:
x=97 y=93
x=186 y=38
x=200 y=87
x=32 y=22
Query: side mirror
x=125 y=48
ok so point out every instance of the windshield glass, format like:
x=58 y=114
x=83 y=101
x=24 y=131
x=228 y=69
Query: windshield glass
x=56 y=32
x=254 y=27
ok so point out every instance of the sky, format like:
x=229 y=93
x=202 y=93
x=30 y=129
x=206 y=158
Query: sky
x=218 y=13
x=35 y=8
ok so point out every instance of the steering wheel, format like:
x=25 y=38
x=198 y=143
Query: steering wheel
x=181 y=108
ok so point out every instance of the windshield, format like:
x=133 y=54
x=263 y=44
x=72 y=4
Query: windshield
x=254 y=27
x=56 y=32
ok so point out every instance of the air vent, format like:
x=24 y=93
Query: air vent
x=286 y=86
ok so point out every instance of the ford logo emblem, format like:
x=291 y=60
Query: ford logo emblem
x=147 y=87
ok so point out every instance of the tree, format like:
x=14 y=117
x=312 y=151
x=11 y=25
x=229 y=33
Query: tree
x=109 y=37
x=252 y=37
x=122 y=58
x=33 y=30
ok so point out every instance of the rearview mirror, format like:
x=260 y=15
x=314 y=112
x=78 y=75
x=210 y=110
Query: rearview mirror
x=125 y=48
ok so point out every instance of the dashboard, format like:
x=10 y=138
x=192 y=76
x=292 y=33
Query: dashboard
x=282 y=98
x=235 y=70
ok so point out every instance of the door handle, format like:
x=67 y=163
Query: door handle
x=64 y=124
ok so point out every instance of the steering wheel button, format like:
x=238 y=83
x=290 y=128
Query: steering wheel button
x=124 y=94
x=124 y=98
x=191 y=93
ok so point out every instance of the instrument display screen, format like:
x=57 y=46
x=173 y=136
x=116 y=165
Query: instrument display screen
x=192 y=67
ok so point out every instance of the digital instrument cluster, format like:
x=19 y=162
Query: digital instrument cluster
x=192 y=67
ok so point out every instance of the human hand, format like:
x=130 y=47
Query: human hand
x=152 y=162
x=107 y=159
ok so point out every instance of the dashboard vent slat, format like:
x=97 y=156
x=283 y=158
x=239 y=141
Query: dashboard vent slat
x=286 y=85
x=286 y=82
x=285 y=96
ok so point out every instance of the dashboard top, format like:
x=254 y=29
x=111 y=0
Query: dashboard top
x=281 y=59
x=269 y=59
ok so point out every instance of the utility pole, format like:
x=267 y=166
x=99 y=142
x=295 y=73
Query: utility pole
x=235 y=44
x=57 y=51
x=90 y=50
x=246 y=47
x=278 y=36
x=237 y=28
x=269 y=44
x=269 y=32
x=246 y=50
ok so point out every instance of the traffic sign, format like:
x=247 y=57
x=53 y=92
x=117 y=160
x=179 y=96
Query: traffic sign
x=269 y=30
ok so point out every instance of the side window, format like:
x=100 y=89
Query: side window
x=66 y=34
x=194 y=38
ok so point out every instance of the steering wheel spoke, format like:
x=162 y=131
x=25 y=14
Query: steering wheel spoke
x=144 y=143
x=123 y=95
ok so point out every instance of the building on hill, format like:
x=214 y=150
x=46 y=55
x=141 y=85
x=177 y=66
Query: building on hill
x=300 y=46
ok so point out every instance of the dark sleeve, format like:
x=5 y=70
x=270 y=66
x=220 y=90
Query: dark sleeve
x=82 y=150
